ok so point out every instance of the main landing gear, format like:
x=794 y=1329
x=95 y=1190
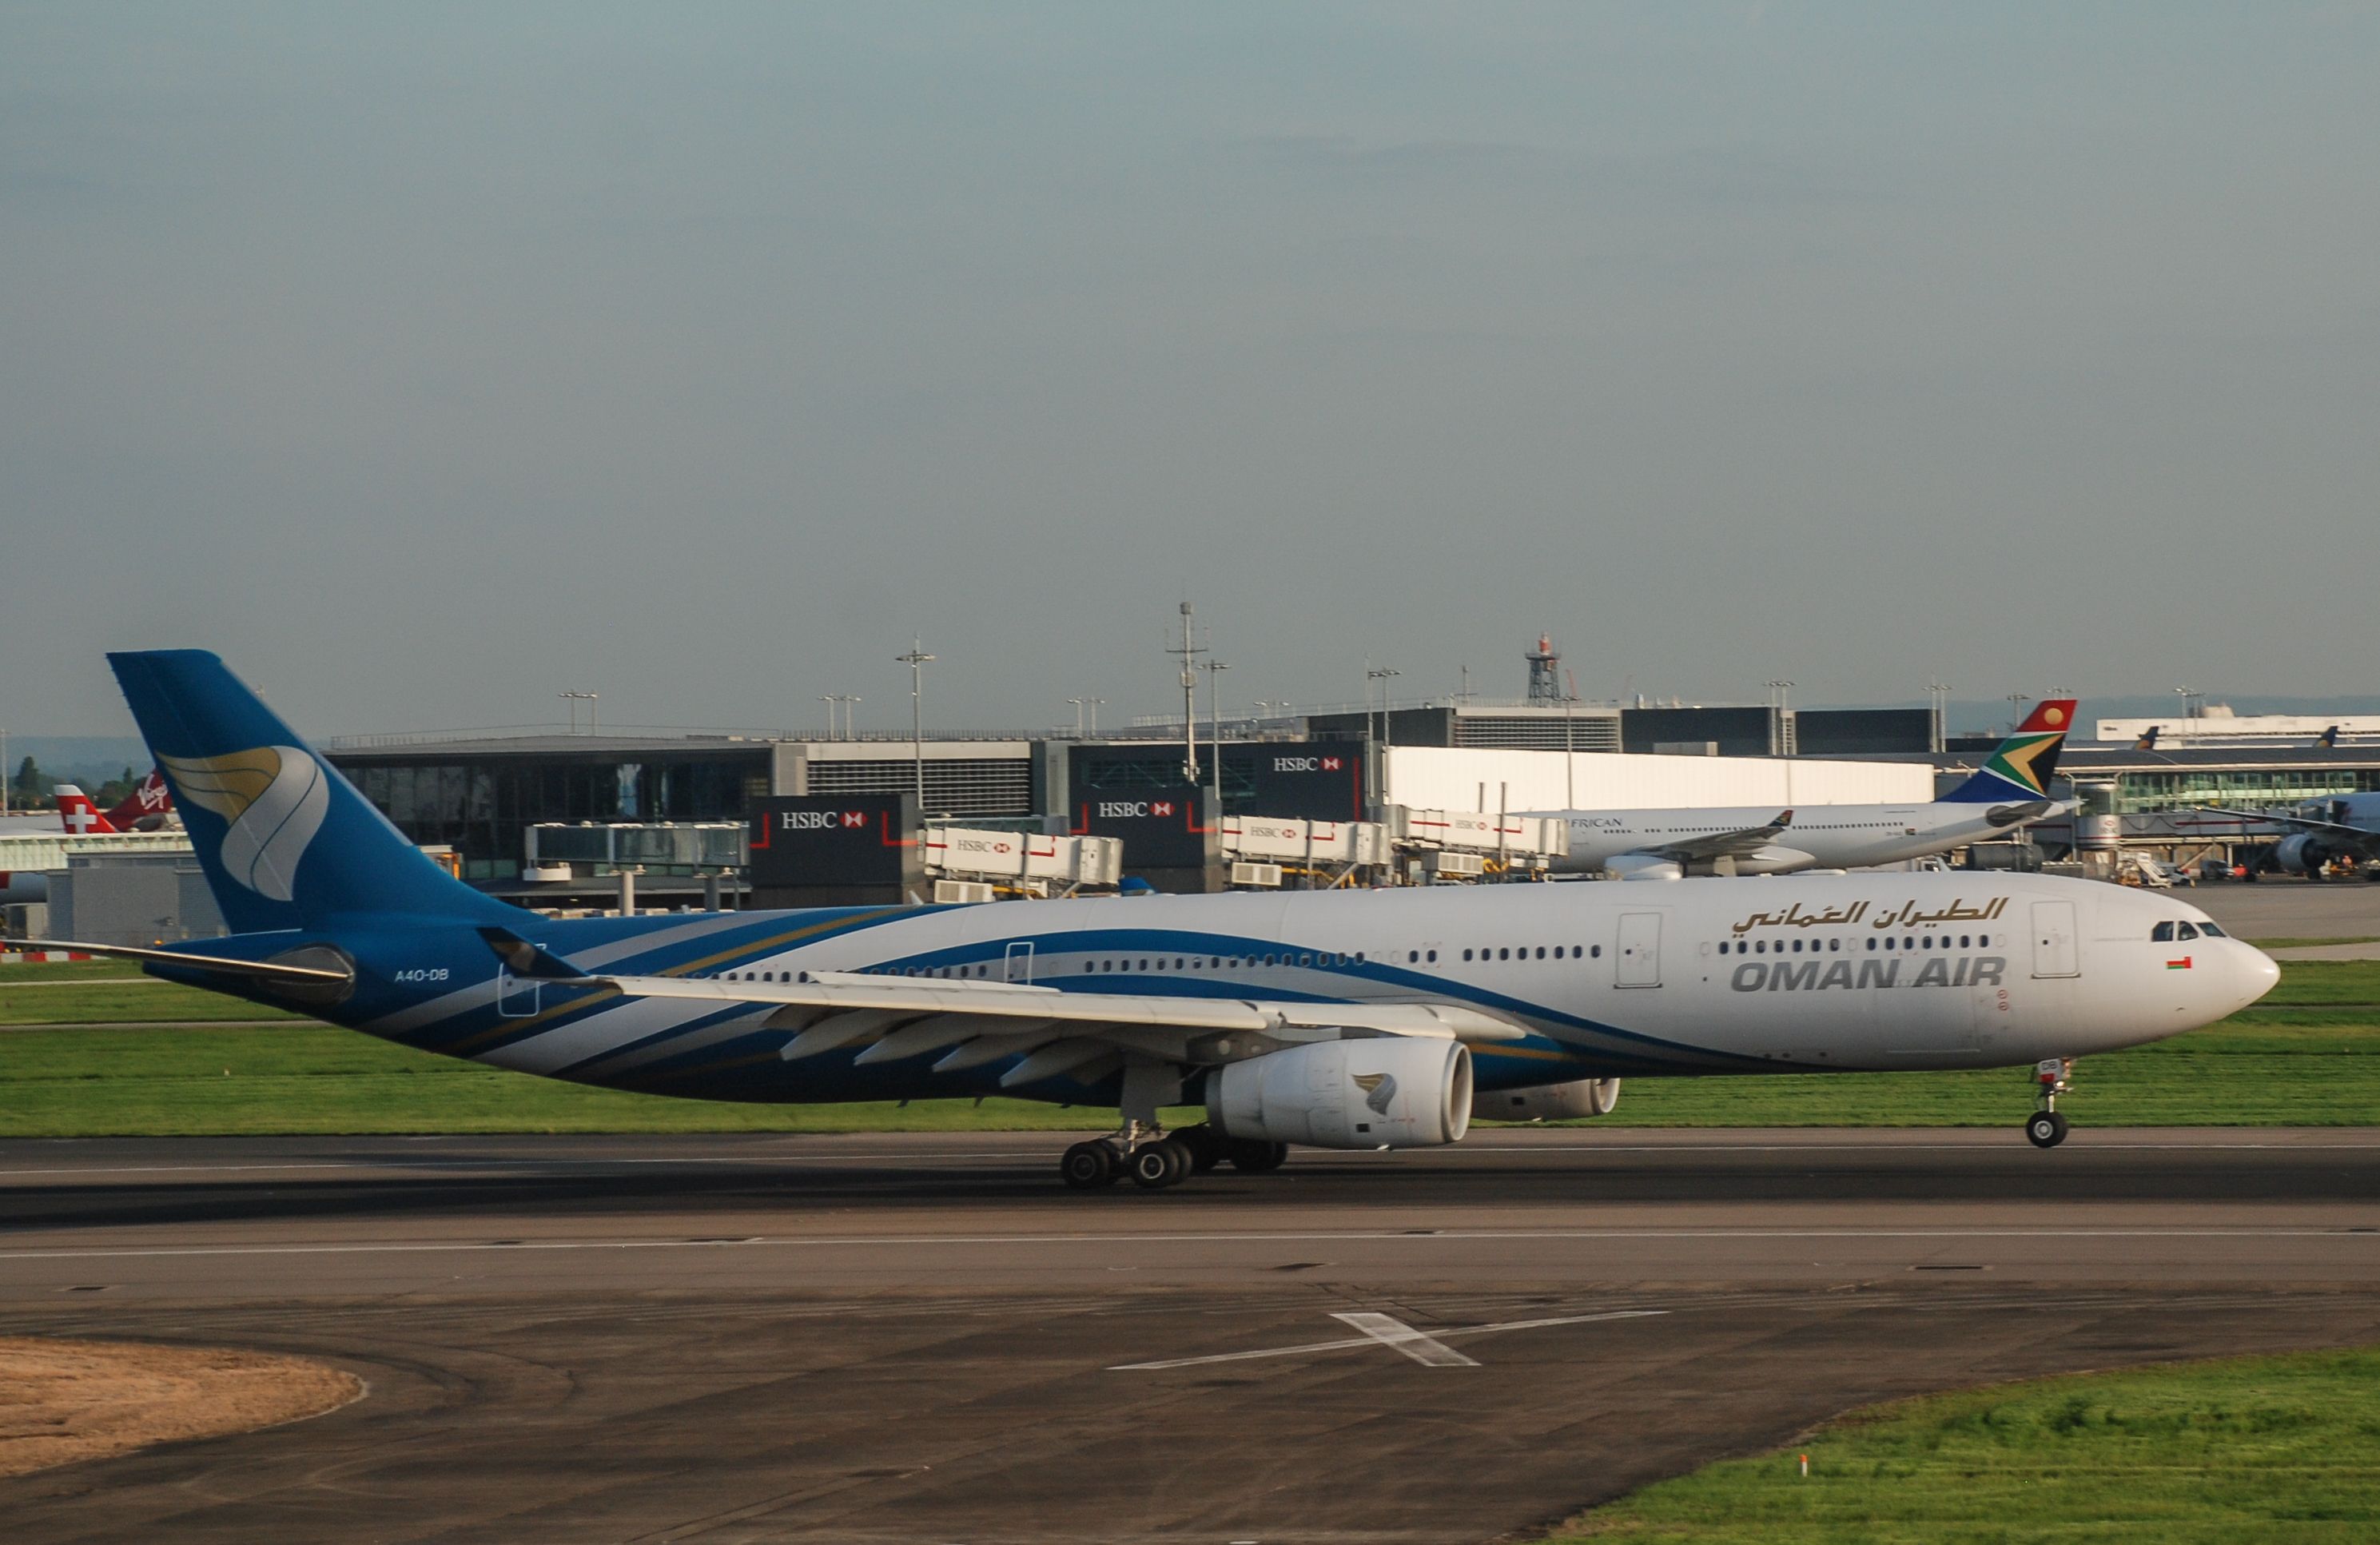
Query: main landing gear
x=2052 y=1078
x=1154 y=1158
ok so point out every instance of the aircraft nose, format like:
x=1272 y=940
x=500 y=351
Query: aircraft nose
x=2259 y=973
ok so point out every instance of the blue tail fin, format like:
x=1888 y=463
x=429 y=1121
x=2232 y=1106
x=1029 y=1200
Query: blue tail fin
x=285 y=842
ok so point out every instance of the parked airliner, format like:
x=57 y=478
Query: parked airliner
x=2010 y=789
x=1335 y=1019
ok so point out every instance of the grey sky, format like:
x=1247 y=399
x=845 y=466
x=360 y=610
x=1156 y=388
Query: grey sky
x=427 y=361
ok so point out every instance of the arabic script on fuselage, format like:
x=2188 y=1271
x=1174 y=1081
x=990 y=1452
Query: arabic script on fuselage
x=1907 y=915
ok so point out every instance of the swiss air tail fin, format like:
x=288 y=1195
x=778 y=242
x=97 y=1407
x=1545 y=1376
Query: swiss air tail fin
x=2021 y=765
x=285 y=842
x=81 y=817
x=2147 y=742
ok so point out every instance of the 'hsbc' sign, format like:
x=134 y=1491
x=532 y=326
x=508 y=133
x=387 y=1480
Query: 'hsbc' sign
x=1308 y=764
x=1136 y=810
x=836 y=840
x=820 y=821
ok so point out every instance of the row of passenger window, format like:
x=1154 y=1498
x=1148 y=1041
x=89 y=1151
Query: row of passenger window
x=1835 y=946
x=1576 y=952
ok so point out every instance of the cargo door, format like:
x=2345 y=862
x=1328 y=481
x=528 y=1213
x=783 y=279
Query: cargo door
x=1638 y=957
x=2055 y=951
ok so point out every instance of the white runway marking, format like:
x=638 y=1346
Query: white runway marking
x=944 y=1241
x=1425 y=1350
x=1372 y=1337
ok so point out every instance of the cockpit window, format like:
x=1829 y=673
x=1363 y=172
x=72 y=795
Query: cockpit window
x=2162 y=933
x=2185 y=932
x=2212 y=931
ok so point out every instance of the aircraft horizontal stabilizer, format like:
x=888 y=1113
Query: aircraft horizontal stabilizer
x=267 y=969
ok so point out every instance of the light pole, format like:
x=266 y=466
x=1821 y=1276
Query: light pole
x=575 y=700
x=1388 y=734
x=1093 y=703
x=915 y=660
x=847 y=699
x=1078 y=715
x=1189 y=651
x=2016 y=713
x=7 y=773
x=1569 y=743
x=1939 y=691
x=1215 y=725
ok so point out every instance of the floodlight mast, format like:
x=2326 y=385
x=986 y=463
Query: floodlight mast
x=1215 y=727
x=1189 y=651
x=915 y=660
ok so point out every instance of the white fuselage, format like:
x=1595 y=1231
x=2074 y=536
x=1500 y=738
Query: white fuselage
x=1819 y=836
x=1704 y=975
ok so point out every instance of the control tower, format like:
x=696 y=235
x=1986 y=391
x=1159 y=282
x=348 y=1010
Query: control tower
x=1545 y=671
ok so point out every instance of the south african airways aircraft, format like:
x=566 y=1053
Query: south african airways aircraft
x=2009 y=790
x=1334 y=1019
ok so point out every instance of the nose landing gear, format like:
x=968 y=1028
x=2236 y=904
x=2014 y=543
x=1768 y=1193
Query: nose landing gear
x=2052 y=1078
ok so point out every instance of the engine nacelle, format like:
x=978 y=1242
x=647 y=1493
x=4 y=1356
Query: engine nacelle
x=2303 y=854
x=1643 y=866
x=1386 y=1091
x=1587 y=1097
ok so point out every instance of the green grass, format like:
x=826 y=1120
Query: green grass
x=107 y=992
x=2326 y=982
x=188 y=1080
x=2305 y=1057
x=2249 y=1450
x=2308 y=944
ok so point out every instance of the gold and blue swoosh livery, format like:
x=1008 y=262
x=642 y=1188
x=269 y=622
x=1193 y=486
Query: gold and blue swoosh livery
x=273 y=800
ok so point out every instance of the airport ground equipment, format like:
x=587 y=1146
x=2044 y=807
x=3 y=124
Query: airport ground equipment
x=1333 y=1018
x=1264 y=850
x=1021 y=863
x=1499 y=844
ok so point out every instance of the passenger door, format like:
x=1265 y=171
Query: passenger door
x=1638 y=954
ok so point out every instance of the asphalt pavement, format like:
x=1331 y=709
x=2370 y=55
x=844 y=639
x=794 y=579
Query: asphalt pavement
x=925 y=1338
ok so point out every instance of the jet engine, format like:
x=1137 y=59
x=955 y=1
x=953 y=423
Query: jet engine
x=1386 y=1091
x=1587 y=1097
x=2303 y=854
x=1643 y=866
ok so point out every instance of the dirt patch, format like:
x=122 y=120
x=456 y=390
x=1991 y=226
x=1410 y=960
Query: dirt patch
x=66 y=1401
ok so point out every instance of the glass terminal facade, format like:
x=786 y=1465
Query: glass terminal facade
x=481 y=804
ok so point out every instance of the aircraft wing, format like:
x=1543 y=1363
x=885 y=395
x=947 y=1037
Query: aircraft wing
x=1723 y=844
x=973 y=1022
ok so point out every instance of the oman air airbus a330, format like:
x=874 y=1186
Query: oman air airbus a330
x=1335 y=1019
x=2010 y=789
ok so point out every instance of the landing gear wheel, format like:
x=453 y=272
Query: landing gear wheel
x=1255 y=1158
x=1088 y=1166
x=1159 y=1164
x=1204 y=1146
x=2046 y=1129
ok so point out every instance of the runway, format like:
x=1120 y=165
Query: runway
x=924 y=1338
